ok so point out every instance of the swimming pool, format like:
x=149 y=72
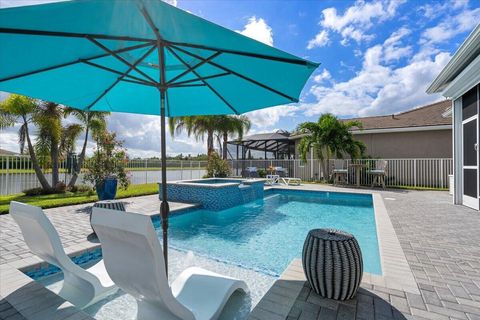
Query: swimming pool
x=214 y=181
x=254 y=242
x=267 y=234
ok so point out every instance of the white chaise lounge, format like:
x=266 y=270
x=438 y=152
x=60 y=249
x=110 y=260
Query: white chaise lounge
x=81 y=287
x=134 y=259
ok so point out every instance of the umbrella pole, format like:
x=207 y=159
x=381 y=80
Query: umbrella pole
x=164 y=207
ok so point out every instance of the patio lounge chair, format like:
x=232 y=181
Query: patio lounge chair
x=283 y=175
x=289 y=181
x=340 y=172
x=81 y=287
x=379 y=173
x=134 y=259
x=281 y=172
x=250 y=172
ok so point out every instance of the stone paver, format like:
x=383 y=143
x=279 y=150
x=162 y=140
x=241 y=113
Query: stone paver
x=442 y=245
x=72 y=224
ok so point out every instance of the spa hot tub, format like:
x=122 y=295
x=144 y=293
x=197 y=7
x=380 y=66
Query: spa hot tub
x=215 y=193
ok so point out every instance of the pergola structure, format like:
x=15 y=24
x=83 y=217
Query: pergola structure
x=278 y=143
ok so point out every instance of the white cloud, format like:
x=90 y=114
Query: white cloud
x=258 y=29
x=354 y=23
x=393 y=47
x=451 y=26
x=320 y=40
x=379 y=88
x=325 y=75
x=172 y=2
x=268 y=118
x=438 y=8
x=141 y=136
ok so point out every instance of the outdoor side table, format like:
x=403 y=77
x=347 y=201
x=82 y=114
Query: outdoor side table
x=107 y=204
x=358 y=170
x=332 y=262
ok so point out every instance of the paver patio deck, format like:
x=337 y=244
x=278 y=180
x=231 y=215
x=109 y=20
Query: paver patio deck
x=441 y=243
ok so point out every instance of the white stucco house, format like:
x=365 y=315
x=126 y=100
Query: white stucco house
x=460 y=82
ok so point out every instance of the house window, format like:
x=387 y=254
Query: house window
x=469 y=103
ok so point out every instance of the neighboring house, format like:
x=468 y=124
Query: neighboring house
x=460 y=81
x=4 y=152
x=424 y=132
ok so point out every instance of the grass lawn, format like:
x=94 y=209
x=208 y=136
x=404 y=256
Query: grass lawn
x=69 y=198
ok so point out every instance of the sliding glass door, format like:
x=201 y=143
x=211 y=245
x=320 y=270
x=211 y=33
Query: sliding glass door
x=470 y=134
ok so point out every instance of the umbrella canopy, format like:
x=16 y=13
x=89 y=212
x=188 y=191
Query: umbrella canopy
x=102 y=55
x=141 y=56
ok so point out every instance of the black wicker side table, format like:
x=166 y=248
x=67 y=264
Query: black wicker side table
x=332 y=262
x=107 y=204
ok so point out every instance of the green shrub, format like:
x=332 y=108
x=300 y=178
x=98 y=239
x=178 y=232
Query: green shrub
x=109 y=160
x=81 y=188
x=37 y=192
x=217 y=167
x=60 y=187
x=262 y=173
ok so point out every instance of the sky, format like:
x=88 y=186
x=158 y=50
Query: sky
x=377 y=57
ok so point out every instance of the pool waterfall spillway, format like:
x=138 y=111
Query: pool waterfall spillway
x=215 y=193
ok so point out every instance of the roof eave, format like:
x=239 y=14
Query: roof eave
x=458 y=62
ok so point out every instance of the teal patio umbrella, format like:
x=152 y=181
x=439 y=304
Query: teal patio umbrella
x=145 y=57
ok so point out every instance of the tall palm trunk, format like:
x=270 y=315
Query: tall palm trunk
x=210 y=141
x=33 y=157
x=54 y=155
x=81 y=158
x=224 y=148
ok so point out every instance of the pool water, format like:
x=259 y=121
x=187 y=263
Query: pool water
x=122 y=306
x=265 y=235
x=254 y=242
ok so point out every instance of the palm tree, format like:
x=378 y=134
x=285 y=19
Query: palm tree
x=231 y=125
x=329 y=136
x=17 y=108
x=200 y=126
x=94 y=121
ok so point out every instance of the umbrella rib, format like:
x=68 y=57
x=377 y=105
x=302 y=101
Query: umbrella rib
x=139 y=80
x=205 y=82
x=189 y=85
x=189 y=69
x=66 y=64
x=130 y=68
x=201 y=78
x=70 y=34
x=242 y=53
x=240 y=75
x=116 y=56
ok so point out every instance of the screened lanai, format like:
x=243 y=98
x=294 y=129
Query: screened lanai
x=274 y=145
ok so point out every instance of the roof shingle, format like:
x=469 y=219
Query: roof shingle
x=429 y=115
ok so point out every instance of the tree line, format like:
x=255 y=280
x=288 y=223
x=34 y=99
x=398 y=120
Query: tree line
x=55 y=138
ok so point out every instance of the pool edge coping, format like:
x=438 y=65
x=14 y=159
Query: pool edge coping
x=396 y=271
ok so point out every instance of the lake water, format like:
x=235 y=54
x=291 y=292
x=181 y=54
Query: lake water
x=17 y=182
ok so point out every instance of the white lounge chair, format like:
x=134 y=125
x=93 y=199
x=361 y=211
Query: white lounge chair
x=134 y=259
x=81 y=287
x=340 y=171
x=379 y=173
x=289 y=181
